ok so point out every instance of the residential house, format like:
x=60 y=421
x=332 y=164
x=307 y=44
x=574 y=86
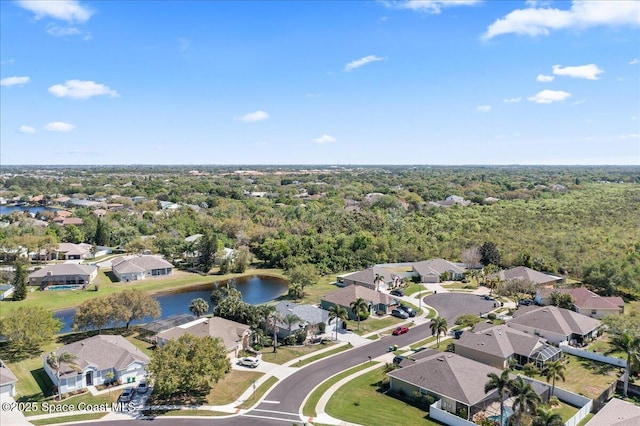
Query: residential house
x=66 y=221
x=70 y=275
x=617 y=413
x=523 y=273
x=430 y=271
x=585 y=301
x=6 y=290
x=376 y=300
x=234 y=335
x=500 y=345
x=555 y=324
x=367 y=278
x=8 y=381
x=456 y=381
x=128 y=268
x=310 y=318
x=70 y=251
x=97 y=356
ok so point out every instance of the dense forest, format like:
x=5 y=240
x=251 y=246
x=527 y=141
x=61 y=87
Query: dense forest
x=580 y=221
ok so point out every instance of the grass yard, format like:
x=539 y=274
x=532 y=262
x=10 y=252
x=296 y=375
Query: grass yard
x=361 y=402
x=459 y=285
x=311 y=359
x=586 y=419
x=310 y=404
x=287 y=353
x=145 y=347
x=230 y=388
x=86 y=398
x=372 y=324
x=603 y=345
x=262 y=389
x=33 y=383
x=413 y=288
x=566 y=411
x=68 y=419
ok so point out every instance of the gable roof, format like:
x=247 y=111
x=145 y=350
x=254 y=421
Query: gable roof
x=436 y=267
x=368 y=275
x=230 y=332
x=449 y=375
x=64 y=269
x=617 y=413
x=125 y=265
x=308 y=313
x=348 y=294
x=524 y=273
x=586 y=299
x=74 y=249
x=6 y=375
x=102 y=352
x=501 y=341
x=555 y=320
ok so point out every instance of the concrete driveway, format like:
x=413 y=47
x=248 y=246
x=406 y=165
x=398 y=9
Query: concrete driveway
x=451 y=305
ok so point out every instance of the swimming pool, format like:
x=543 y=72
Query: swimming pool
x=508 y=411
x=64 y=287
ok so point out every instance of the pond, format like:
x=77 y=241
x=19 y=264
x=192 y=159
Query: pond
x=255 y=290
x=31 y=209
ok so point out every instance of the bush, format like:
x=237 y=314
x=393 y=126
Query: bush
x=363 y=315
x=380 y=313
x=491 y=316
x=301 y=336
x=322 y=327
x=289 y=340
x=553 y=401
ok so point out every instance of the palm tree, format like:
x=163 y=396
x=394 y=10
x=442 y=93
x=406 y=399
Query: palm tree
x=296 y=290
x=199 y=307
x=552 y=371
x=55 y=361
x=270 y=318
x=290 y=320
x=547 y=418
x=530 y=369
x=439 y=326
x=377 y=280
x=526 y=399
x=359 y=306
x=338 y=313
x=630 y=345
x=501 y=384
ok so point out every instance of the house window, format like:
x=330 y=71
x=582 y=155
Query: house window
x=593 y=312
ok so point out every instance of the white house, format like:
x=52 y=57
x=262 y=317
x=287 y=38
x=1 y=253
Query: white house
x=8 y=381
x=96 y=357
x=127 y=268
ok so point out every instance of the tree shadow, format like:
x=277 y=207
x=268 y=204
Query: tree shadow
x=112 y=277
x=11 y=354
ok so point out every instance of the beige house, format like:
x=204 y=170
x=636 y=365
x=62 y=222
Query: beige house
x=367 y=278
x=234 y=335
x=66 y=274
x=527 y=274
x=376 y=300
x=430 y=271
x=133 y=268
x=585 y=301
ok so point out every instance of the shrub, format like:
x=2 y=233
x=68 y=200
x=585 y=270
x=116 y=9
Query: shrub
x=380 y=313
x=322 y=327
x=491 y=316
x=301 y=336
x=363 y=315
x=289 y=340
x=553 y=401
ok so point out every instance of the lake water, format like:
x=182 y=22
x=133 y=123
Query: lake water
x=31 y=209
x=255 y=290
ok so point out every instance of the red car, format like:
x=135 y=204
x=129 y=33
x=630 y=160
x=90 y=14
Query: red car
x=400 y=330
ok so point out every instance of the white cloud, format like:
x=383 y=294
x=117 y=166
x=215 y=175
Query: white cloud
x=634 y=61
x=362 y=61
x=26 y=129
x=483 y=108
x=58 y=31
x=64 y=10
x=549 y=96
x=59 y=126
x=544 y=78
x=582 y=14
x=630 y=136
x=512 y=100
x=9 y=61
x=14 y=81
x=590 y=71
x=78 y=89
x=429 y=6
x=325 y=139
x=254 y=116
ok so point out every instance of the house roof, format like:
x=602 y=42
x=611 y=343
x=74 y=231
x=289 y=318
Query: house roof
x=348 y=294
x=101 y=352
x=129 y=265
x=64 y=269
x=555 y=320
x=617 y=413
x=6 y=375
x=5 y=287
x=229 y=331
x=586 y=299
x=501 y=341
x=193 y=238
x=308 y=313
x=449 y=375
x=74 y=249
x=368 y=275
x=524 y=273
x=436 y=267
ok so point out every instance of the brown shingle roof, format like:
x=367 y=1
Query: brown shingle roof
x=586 y=299
x=229 y=331
x=501 y=341
x=348 y=294
x=524 y=273
x=123 y=265
x=64 y=269
x=555 y=320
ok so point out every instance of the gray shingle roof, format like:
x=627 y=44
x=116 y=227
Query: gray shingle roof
x=524 y=273
x=64 y=269
x=123 y=265
x=348 y=294
x=617 y=413
x=556 y=320
x=6 y=375
x=500 y=341
x=308 y=313
x=436 y=266
x=229 y=331
x=368 y=275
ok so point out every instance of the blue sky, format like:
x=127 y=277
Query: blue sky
x=325 y=82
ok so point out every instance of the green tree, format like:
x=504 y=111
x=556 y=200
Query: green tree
x=304 y=274
x=241 y=260
x=359 y=307
x=186 y=366
x=552 y=371
x=530 y=369
x=630 y=345
x=547 y=418
x=270 y=317
x=103 y=233
x=20 y=278
x=290 y=320
x=489 y=254
x=526 y=400
x=97 y=314
x=296 y=290
x=55 y=362
x=208 y=247
x=199 y=307
x=135 y=305
x=500 y=383
x=28 y=329
x=73 y=234
x=232 y=307
x=338 y=313
x=561 y=300
x=438 y=326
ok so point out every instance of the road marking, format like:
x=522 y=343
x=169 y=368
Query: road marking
x=277 y=412
x=268 y=418
x=270 y=402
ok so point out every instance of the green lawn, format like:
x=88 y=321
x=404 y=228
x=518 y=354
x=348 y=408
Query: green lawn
x=360 y=401
x=311 y=359
x=372 y=324
x=566 y=411
x=68 y=419
x=287 y=353
x=413 y=288
x=603 y=345
x=309 y=409
x=262 y=389
x=233 y=385
x=145 y=347
x=33 y=383
x=586 y=419
x=459 y=285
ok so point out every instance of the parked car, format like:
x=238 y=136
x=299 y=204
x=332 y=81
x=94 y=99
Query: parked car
x=400 y=330
x=397 y=292
x=527 y=302
x=458 y=333
x=126 y=395
x=398 y=359
x=400 y=313
x=142 y=387
x=408 y=310
x=487 y=297
x=249 y=361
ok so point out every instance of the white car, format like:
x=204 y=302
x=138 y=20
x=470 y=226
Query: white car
x=249 y=361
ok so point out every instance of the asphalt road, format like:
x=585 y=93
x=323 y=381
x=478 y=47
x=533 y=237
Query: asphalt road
x=451 y=305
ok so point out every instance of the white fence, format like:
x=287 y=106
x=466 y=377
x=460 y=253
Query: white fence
x=564 y=347
x=585 y=404
x=445 y=417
